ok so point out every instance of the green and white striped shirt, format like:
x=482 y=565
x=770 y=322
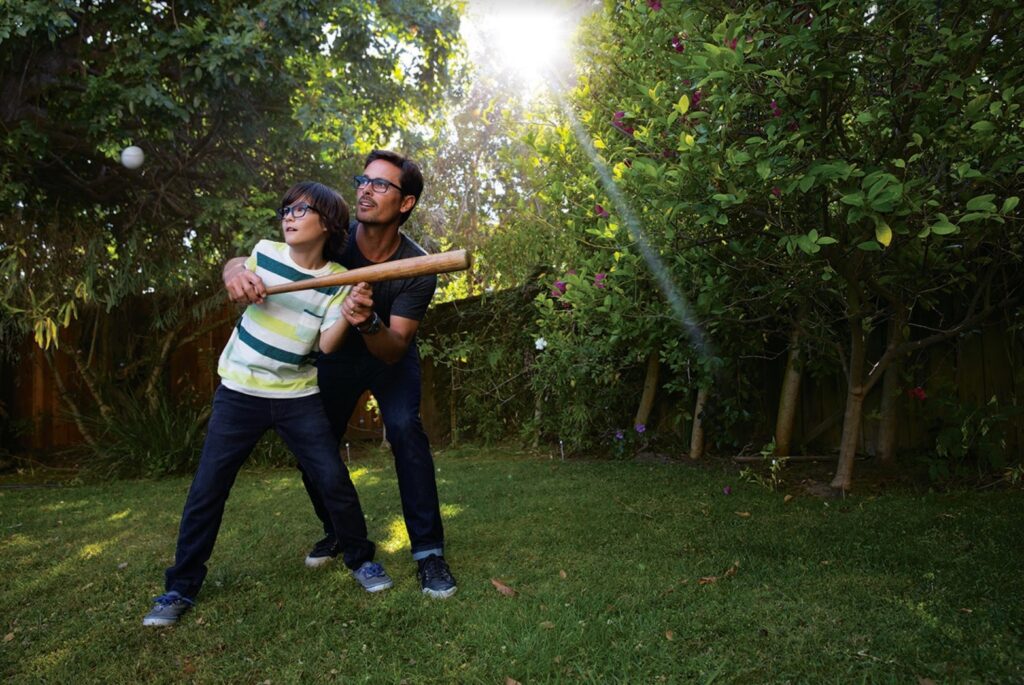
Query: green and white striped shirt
x=272 y=349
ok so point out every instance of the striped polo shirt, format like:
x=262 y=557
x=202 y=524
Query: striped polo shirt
x=272 y=349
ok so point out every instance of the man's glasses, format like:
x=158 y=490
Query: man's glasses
x=297 y=211
x=379 y=185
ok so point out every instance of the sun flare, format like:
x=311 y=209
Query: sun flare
x=529 y=45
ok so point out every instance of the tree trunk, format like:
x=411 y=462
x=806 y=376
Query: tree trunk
x=891 y=394
x=643 y=412
x=887 y=421
x=697 y=437
x=788 y=398
x=854 y=395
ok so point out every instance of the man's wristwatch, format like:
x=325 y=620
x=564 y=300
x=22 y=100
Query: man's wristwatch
x=371 y=325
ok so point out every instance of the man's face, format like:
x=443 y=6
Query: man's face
x=382 y=208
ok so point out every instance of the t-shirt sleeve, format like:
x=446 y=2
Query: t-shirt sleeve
x=333 y=312
x=414 y=299
x=250 y=262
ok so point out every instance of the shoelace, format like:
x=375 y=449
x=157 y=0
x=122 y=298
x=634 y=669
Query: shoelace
x=167 y=599
x=435 y=568
x=373 y=570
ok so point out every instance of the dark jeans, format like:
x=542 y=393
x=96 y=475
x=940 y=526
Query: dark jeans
x=236 y=425
x=396 y=386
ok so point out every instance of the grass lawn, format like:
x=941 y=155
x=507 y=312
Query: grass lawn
x=623 y=572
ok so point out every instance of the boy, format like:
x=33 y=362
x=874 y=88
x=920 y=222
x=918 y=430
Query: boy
x=268 y=381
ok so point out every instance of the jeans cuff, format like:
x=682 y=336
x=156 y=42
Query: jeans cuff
x=424 y=553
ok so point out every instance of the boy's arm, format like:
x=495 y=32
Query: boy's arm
x=331 y=339
x=243 y=286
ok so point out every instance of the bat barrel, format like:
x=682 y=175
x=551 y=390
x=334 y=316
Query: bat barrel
x=427 y=265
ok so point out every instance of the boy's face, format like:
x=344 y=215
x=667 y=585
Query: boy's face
x=303 y=230
x=382 y=208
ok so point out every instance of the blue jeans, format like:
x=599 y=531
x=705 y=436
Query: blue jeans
x=342 y=380
x=237 y=423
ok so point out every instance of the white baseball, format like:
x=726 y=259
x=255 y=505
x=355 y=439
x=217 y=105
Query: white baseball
x=132 y=157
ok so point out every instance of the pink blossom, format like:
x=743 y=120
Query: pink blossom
x=599 y=280
x=776 y=110
x=655 y=5
x=677 y=43
x=727 y=490
x=697 y=97
x=918 y=394
x=776 y=191
x=731 y=44
x=559 y=289
x=601 y=211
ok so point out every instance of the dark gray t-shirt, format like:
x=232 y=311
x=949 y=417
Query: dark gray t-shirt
x=405 y=297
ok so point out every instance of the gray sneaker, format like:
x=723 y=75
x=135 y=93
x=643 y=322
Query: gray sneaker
x=372 y=577
x=167 y=609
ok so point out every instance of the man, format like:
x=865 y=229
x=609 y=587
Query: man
x=380 y=356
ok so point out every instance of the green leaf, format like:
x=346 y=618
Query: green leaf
x=944 y=227
x=1009 y=204
x=870 y=246
x=683 y=106
x=764 y=169
x=981 y=203
x=983 y=126
x=826 y=240
x=855 y=199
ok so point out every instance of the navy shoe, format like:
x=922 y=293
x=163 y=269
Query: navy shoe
x=323 y=552
x=372 y=577
x=436 y=578
x=167 y=609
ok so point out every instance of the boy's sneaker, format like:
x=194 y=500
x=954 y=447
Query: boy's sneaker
x=323 y=552
x=167 y=609
x=372 y=577
x=435 y=577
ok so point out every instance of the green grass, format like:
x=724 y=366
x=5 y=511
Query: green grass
x=606 y=559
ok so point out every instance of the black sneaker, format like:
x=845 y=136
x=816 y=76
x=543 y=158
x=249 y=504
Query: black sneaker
x=435 y=577
x=167 y=609
x=323 y=552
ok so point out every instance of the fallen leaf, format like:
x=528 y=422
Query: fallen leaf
x=563 y=575
x=787 y=498
x=707 y=580
x=743 y=514
x=547 y=624
x=189 y=667
x=8 y=637
x=200 y=621
x=965 y=610
x=122 y=566
x=502 y=588
x=669 y=635
x=511 y=681
x=731 y=571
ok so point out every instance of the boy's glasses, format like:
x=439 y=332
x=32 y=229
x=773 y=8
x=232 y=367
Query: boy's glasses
x=297 y=211
x=379 y=185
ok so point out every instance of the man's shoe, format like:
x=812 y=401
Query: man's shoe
x=323 y=552
x=372 y=577
x=435 y=577
x=167 y=609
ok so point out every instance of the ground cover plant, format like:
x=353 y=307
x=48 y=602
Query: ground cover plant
x=574 y=571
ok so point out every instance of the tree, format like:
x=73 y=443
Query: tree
x=232 y=102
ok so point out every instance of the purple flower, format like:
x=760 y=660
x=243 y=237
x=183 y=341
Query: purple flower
x=619 y=435
x=560 y=288
x=793 y=126
x=677 y=43
x=640 y=428
x=618 y=123
x=918 y=394
x=776 y=110
x=617 y=117
x=730 y=43
x=599 y=280
x=695 y=100
x=654 y=4
x=726 y=490
x=776 y=191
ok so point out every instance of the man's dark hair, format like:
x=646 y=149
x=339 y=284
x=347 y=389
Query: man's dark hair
x=412 y=179
x=333 y=212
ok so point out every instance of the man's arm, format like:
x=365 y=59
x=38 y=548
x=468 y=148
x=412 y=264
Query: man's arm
x=243 y=286
x=388 y=344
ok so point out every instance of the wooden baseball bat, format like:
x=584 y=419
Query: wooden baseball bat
x=445 y=262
